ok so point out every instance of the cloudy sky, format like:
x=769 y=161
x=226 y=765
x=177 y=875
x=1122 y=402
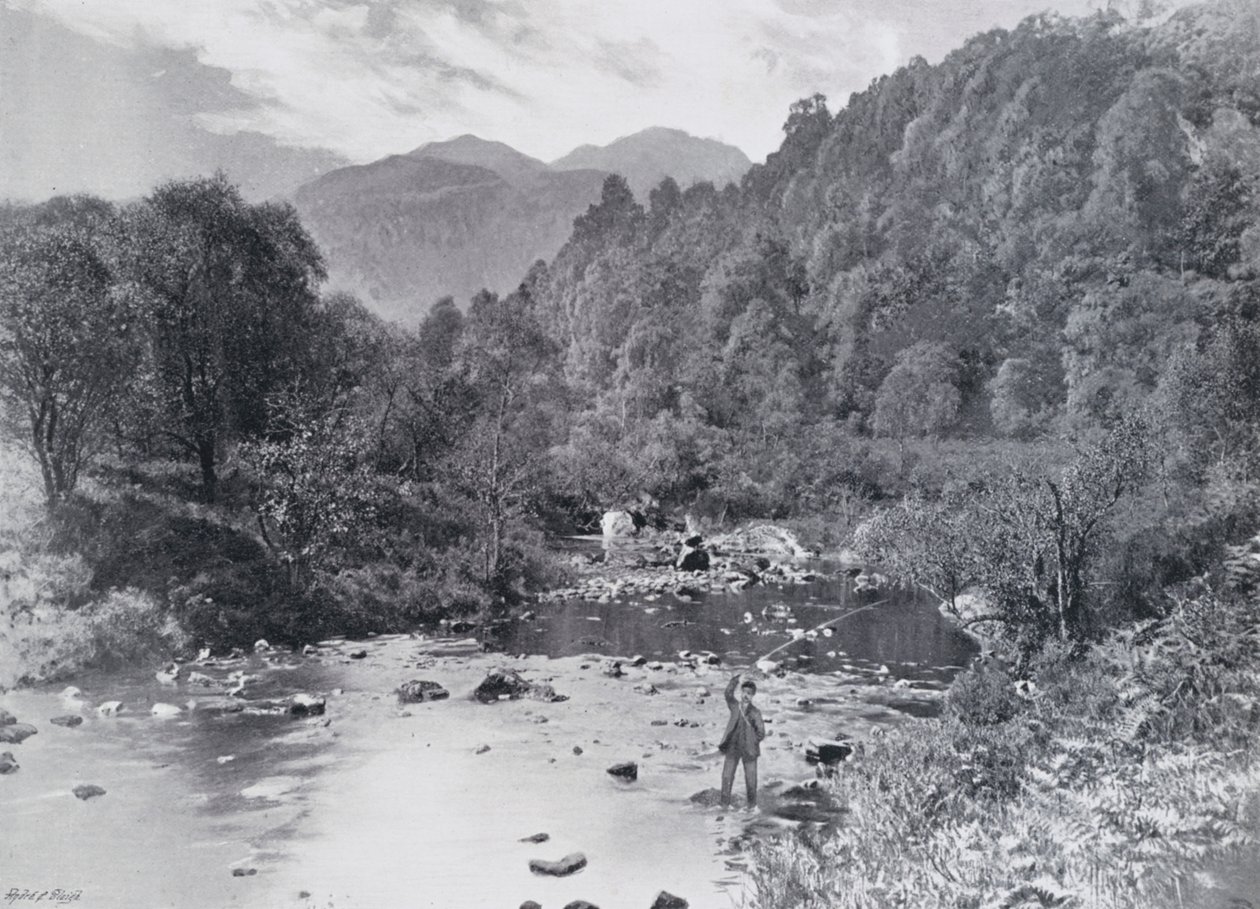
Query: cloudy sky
x=110 y=96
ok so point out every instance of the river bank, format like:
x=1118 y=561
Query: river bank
x=377 y=803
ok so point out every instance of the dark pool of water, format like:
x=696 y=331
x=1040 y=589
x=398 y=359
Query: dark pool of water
x=903 y=632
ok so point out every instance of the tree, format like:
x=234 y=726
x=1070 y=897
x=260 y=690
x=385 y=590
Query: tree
x=316 y=493
x=929 y=543
x=512 y=371
x=66 y=334
x=919 y=397
x=231 y=286
x=1028 y=539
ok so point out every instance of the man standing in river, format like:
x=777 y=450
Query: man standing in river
x=742 y=739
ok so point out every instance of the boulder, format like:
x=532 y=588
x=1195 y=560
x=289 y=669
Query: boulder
x=507 y=684
x=762 y=538
x=87 y=791
x=580 y=904
x=8 y=763
x=535 y=838
x=359 y=655
x=872 y=581
x=530 y=904
x=616 y=524
x=165 y=711
x=418 y=691
x=570 y=864
x=667 y=900
x=626 y=770
x=110 y=708
x=306 y=705
x=707 y=798
x=828 y=753
x=69 y=720
x=692 y=558
x=482 y=749
x=6 y=718
x=262 y=645
x=16 y=733
x=612 y=669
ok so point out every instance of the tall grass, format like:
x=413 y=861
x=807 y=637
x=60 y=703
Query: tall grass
x=1122 y=779
x=52 y=623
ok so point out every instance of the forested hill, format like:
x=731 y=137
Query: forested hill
x=1046 y=229
x=450 y=218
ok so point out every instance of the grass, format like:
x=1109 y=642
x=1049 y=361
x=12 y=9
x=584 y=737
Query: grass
x=1124 y=778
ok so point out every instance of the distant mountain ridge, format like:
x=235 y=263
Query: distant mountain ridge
x=647 y=157
x=453 y=217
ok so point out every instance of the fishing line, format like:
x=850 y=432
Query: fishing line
x=851 y=612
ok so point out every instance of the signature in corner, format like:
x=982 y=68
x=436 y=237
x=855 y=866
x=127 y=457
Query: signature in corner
x=56 y=896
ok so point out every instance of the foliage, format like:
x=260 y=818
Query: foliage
x=1027 y=539
x=1108 y=787
x=67 y=334
x=230 y=287
x=315 y=491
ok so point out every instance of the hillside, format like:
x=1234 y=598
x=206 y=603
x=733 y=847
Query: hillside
x=453 y=217
x=1052 y=227
x=407 y=230
x=647 y=157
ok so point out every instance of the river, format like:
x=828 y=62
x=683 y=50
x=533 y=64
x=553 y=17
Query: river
x=382 y=805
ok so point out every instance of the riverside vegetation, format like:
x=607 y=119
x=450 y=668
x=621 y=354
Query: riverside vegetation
x=996 y=323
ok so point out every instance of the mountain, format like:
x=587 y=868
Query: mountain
x=453 y=217
x=446 y=219
x=503 y=159
x=647 y=157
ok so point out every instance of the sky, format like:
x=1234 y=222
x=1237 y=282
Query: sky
x=112 y=96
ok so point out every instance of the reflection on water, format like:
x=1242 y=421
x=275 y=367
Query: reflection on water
x=905 y=632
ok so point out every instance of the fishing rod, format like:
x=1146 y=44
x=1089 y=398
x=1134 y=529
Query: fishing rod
x=851 y=612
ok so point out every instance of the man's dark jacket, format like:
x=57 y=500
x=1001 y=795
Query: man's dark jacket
x=745 y=729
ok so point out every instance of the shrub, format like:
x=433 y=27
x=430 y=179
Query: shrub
x=984 y=696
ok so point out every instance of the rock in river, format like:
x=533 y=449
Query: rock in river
x=8 y=763
x=69 y=720
x=618 y=524
x=707 y=798
x=667 y=900
x=110 y=708
x=507 y=684
x=536 y=838
x=16 y=733
x=306 y=705
x=417 y=691
x=692 y=558
x=580 y=904
x=530 y=904
x=571 y=863
x=828 y=753
x=6 y=718
x=87 y=791
x=627 y=770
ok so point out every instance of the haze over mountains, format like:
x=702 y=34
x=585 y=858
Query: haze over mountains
x=451 y=218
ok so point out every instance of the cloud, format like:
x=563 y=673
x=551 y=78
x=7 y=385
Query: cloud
x=366 y=79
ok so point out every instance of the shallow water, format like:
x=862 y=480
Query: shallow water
x=905 y=633
x=375 y=805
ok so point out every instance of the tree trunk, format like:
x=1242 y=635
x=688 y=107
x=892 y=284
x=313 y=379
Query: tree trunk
x=209 y=475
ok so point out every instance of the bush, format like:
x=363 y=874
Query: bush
x=985 y=696
x=130 y=627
